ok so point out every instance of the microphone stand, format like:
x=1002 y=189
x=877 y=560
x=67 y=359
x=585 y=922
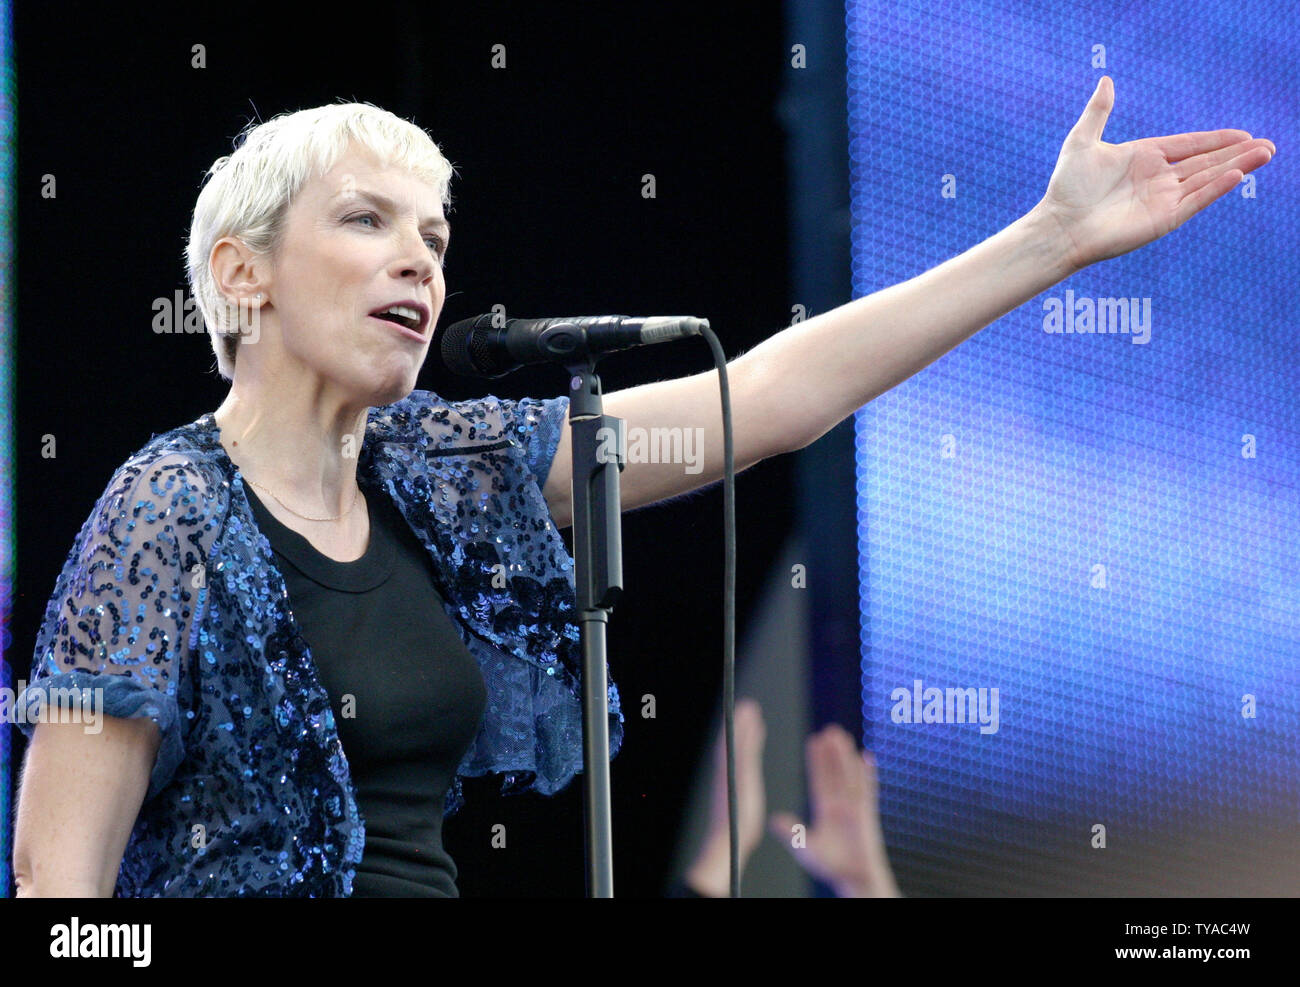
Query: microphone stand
x=598 y=576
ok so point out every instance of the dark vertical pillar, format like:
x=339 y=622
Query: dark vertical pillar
x=814 y=108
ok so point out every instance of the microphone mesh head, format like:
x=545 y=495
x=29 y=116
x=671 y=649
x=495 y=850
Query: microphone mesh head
x=486 y=357
x=466 y=351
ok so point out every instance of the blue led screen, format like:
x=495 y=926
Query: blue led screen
x=1088 y=544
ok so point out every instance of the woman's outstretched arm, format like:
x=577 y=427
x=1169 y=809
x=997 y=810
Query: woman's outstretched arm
x=1102 y=200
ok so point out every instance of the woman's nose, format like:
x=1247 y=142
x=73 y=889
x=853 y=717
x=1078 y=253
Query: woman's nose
x=416 y=257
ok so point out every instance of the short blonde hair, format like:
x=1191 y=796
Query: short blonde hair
x=246 y=194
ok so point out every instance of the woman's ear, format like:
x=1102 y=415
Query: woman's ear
x=236 y=270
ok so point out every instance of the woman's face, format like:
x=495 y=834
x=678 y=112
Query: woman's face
x=361 y=238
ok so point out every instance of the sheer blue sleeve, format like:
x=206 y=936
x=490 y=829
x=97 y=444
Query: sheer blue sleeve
x=114 y=637
x=537 y=424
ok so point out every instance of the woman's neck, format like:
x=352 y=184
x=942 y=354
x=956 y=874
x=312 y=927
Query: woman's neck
x=301 y=449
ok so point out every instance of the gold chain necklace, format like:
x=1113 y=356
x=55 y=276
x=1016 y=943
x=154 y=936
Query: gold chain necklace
x=304 y=516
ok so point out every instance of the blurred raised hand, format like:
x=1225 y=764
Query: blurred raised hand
x=710 y=874
x=843 y=845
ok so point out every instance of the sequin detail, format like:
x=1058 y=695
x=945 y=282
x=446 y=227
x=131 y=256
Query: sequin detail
x=171 y=602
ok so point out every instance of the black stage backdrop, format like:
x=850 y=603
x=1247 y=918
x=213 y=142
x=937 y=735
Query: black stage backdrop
x=549 y=220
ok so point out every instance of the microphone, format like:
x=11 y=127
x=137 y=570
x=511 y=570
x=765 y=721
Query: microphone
x=477 y=348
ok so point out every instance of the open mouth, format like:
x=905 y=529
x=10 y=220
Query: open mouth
x=411 y=318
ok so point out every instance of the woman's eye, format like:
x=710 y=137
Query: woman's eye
x=435 y=243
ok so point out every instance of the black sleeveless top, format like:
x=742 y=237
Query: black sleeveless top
x=407 y=694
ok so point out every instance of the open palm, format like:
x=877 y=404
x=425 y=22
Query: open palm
x=1112 y=198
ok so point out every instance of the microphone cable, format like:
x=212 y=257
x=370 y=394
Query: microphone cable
x=728 y=604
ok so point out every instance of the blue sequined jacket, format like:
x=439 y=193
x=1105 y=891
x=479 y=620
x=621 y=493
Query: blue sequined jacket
x=172 y=604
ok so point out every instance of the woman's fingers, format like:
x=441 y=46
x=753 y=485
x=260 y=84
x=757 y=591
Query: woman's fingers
x=1188 y=167
x=1177 y=147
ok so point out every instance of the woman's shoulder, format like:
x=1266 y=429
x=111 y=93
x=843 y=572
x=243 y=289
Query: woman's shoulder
x=184 y=465
x=530 y=427
x=428 y=417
